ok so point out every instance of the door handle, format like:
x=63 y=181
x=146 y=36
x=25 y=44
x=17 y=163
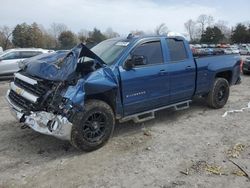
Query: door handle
x=162 y=72
x=188 y=67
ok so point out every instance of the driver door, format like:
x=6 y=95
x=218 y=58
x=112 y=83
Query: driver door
x=145 y=87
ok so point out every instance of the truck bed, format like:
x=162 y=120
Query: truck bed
x=208 y=66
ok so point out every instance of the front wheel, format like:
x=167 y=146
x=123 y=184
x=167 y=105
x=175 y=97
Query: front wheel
x=219 y=93
x=93 y=127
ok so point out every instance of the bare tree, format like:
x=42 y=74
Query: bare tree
x=210 y=20
x=190 y=27
x=82 y=35
x=204 y=21
x=109 y=33
x=223 y=26
x=5 y=35
x=57 y=28
x=161 y=29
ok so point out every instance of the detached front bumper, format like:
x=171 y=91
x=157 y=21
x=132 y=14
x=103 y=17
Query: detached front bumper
x=43 y=122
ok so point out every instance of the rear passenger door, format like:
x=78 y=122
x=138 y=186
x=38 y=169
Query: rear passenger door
x=145 y=86
x=182 y=71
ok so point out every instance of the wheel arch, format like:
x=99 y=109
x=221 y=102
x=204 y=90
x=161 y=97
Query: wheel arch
x=226 y=75
x=108 y=97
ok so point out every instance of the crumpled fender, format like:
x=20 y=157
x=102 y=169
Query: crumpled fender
x=76 y=93
x=99 y=81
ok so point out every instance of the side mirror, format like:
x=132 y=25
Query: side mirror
x=139 y=60
x=135 y=61
x=129 y=64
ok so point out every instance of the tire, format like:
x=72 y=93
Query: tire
x=219 y=94
x=93 y=128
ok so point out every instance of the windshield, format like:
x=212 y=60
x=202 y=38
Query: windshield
x=109 y=50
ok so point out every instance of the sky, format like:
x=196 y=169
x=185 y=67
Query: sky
x=122 y=16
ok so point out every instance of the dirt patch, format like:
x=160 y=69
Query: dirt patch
x=151 y=154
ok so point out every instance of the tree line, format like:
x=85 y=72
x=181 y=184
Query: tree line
x=206 y=30
x=58 y=36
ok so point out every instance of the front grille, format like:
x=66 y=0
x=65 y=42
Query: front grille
x=37 y=89
x=22 y=102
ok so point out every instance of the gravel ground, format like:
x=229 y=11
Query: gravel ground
x=186 y=148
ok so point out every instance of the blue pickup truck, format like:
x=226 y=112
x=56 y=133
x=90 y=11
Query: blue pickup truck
x=79 y=96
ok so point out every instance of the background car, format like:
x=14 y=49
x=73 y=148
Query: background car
x=244 y=50
x=218 y=51
x=9 y=59
x=208 y=51
x=246 y=66
x=235 y=50
x=228 y=51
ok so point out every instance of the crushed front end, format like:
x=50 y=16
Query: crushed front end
x=50 y=90
x=40 y=105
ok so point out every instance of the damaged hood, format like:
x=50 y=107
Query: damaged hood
x=59 y=67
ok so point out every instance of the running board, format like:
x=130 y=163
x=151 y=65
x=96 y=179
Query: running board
x=182 y=106
x=150 y=114
x=144 y=117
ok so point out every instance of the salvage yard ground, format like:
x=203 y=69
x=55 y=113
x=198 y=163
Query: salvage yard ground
x=189 y=148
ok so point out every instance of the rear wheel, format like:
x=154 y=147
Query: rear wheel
x=219 y=94
x=93 y=127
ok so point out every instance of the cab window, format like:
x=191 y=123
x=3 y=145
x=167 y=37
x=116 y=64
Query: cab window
x=151 y=51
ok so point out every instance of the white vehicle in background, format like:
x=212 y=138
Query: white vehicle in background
x=244 y=50
x=235 y=50
x=9 y=59
x=228 y=51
